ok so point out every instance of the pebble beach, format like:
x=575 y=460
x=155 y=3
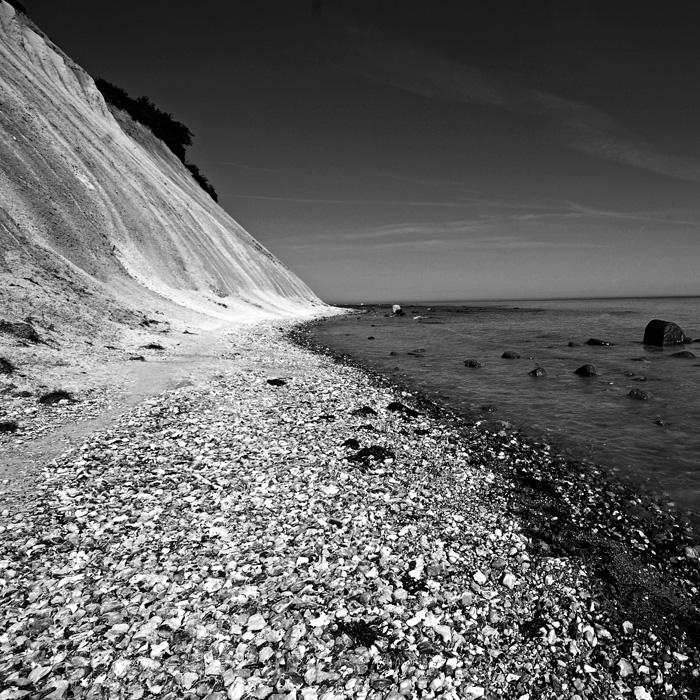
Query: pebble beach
x=300 y=528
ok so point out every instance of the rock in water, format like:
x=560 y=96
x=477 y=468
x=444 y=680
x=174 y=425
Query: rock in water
x=6 y=367
x=510 y=355
x=662 y=333
x=396 y=310
x=597 y=341
x=472 y=363
x=586 y=371
x=685 y=354
x=537 y=372
x=639 y=395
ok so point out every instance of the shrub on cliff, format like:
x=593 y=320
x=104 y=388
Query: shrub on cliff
x=203 y=182
x=174 y=134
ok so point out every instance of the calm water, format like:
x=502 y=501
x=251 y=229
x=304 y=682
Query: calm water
x=587 y=418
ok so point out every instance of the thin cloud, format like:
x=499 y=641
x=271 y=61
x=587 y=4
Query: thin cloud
x=651 y=217
x=365 y=202
x=424 y=72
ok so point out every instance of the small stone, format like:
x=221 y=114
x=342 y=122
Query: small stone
x=406 y=687
x=641 y=693
x=256 y=622
x=188 y=680
x=508 y=580
x=480 y=578
x=120 y=667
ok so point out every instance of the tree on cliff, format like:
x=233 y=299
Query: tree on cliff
x=174 y=134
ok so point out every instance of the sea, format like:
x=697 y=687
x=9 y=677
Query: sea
x=653 y=444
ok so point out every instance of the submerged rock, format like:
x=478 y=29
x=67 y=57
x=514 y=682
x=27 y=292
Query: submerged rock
x=472 y=363
x=276 y=382
x=662 y=333
x=639 y=395
x=537 y=372
x=6 y=367
x=586 y=371
x=510 y=355
x=598 y=341
x=8 y=426
x=685 y=354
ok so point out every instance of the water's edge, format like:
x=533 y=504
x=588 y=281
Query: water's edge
x=642 y=553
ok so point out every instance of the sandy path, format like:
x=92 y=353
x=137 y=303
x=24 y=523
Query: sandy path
x=194 y=361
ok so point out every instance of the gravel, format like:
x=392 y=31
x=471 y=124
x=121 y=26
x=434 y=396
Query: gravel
x=227 y=542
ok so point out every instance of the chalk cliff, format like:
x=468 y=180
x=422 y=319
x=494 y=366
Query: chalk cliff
x=98 y=217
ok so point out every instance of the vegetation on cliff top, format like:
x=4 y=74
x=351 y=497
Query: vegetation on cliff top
x=175 y=135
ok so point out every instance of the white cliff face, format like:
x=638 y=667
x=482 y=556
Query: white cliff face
x=99 y=195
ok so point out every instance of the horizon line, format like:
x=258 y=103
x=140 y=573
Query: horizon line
x=424 y=302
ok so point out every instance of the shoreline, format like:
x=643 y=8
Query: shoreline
x=488 y=410
x=637 y=546
x=245 y=548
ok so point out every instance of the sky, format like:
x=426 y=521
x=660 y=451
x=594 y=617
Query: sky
x=396 y=150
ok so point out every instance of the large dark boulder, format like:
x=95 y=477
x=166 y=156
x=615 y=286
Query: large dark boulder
x=510 y=355
x=537 y=372
x=662 y=333
x=472 y=363
x=598 y=341
x=586 y=371
x=6 y=367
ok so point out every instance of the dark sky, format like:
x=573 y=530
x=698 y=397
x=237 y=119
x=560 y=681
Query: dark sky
x=398 y=150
